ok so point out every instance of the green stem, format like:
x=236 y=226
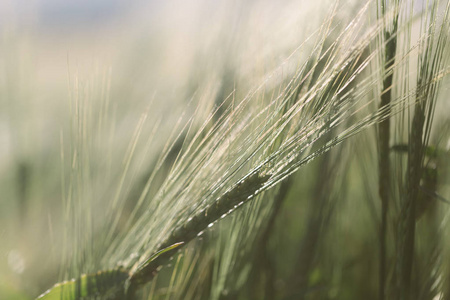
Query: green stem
x=384 y=164
x=408 y=217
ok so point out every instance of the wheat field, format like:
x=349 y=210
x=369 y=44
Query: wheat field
x=225 y=150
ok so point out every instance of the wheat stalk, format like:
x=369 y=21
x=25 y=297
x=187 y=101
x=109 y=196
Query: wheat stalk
x=384 y=179
x=431 y=62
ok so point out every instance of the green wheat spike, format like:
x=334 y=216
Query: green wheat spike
x=242 y=192
x=105 y=285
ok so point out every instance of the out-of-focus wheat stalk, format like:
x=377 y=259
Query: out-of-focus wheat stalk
x=432 y=61
x=384 y=170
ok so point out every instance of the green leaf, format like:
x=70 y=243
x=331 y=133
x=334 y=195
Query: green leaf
x=430 y=151
x=155 y=255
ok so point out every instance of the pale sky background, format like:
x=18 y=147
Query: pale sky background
x=65 y=12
